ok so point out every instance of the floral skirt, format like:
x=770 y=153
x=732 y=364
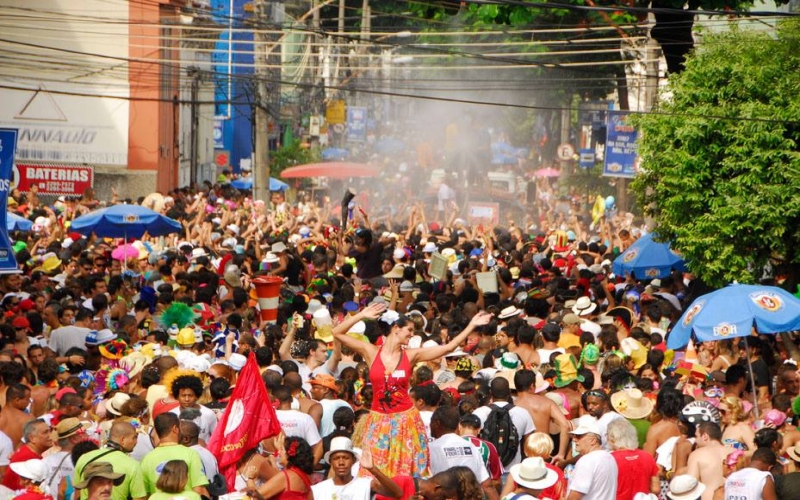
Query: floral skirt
x=398 y=442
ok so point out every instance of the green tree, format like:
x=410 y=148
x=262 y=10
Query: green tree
x=720 y=158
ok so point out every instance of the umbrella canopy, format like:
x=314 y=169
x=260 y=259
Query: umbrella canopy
x=330 y=154
x=125 y=221
x=547 y=172
x=247 y=183
x=15 y=222
x=336 y=169
x=648 y=259
x=733 y=311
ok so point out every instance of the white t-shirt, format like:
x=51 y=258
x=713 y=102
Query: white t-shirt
x=595 y=476
x=298 y=424
x=329 y=407
x=64 y=338
x=746 y=484
x=58 y=465
x=210 y=467
x=451 y=450
x=359 y=488
x=519 y=416
x=426 y=415
x=6 y=449
x=207 y=421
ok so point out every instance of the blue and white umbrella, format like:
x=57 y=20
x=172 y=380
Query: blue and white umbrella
x=15 y=222
x=648 y=259
x=247 y=183
x=125 y=221
x=733 y=311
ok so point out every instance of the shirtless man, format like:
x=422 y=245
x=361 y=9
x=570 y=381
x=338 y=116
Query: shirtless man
x=668 y=405
x=705 y=462
x=544 y=412
x=13 y=416
x=524 y=346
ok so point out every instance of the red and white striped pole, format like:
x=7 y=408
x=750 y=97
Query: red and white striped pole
x=268 y=289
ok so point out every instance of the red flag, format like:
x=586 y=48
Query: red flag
x=247 y=420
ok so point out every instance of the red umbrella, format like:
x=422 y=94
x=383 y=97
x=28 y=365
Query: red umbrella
x=547 y=172
x=335 y=169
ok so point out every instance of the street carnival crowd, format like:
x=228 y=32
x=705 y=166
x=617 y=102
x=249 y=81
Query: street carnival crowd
x=555 y=382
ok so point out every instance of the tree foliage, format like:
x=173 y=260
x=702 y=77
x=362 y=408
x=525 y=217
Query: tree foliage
x=720 y=158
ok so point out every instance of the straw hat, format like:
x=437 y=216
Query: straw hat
x=631 y=404
x=509 y=312
x=114 y=404
x=533 y=473
x=584 y=306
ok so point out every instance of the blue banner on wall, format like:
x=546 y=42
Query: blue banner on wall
x=622 y=150
x=8 y=147
x=356 y=124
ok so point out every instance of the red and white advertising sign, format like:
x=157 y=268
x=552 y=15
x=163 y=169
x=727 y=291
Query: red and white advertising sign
x=53 y=179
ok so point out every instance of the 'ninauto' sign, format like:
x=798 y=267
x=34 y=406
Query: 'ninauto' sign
x=54 y=179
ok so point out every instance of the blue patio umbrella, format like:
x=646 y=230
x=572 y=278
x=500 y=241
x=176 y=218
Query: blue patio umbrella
x=648 y=259
x=125 y=221
x=331 y=154
x=247 y=183
x=15 y=222
x=733 y=311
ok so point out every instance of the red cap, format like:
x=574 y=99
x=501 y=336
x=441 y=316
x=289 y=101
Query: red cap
x=434 y=226
x=21 y=322
x=74 y=236
x=26 y=305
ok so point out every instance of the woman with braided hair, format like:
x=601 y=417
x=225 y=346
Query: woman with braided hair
x=291 y=483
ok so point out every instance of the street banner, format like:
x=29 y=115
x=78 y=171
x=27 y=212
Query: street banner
x=622 y=150
x=8 y=146
x=58 y=180
x=248 y=418
x=356 y=124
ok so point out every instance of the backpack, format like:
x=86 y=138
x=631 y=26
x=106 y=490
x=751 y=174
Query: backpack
x=500 y=430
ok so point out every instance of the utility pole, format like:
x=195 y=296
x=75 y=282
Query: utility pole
x=261 y=153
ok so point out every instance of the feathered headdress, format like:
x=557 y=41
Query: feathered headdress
x=178 y=314
x=110 y=379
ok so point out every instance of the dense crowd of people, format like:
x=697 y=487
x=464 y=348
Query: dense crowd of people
x=413 y=357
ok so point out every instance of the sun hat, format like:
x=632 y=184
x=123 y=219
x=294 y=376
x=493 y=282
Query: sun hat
x=237 y=361
x=584 y=306
x=533 y=473
x=327 y=381
x=134 y=363
x=566 y=370
x=794 y=452
x=685 y=487
x=508 y=361
x=429 y=247
x=541 y=384
x=103 y=336
x=587 y=424
x=396 y=273
x=99 y=469
x=114 y=405
x=631 y=404
x=571 y=319
x=33 y=469
x=774 y=417
x=271 y=258
x=631 y=347
x=559 y=399
x=198 y=252
x=278 y=247
x=509 y=312
x=700 y=411
x=458 y=353
x=342 y=443
x=69 y=427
